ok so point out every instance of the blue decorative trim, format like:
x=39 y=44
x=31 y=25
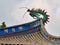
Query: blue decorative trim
x=19 y=28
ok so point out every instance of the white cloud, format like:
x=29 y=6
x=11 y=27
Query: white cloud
x=6 y=7
x=58 y=14
x=53 y=26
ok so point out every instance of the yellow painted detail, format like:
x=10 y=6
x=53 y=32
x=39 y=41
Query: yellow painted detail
x=13 y=29
x=20 y=28
x=6 y=30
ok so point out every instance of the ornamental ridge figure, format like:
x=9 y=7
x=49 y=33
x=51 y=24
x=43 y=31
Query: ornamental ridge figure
x=37 y=13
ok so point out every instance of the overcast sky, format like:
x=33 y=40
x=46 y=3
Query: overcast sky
x=11 y=14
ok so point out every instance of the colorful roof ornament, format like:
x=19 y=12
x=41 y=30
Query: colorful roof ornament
x=39 y=13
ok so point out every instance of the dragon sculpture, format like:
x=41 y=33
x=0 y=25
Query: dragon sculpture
x=39 y=12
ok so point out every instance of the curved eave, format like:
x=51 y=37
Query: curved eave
x=48 y=36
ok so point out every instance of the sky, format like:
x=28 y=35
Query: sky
x=12 y=14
